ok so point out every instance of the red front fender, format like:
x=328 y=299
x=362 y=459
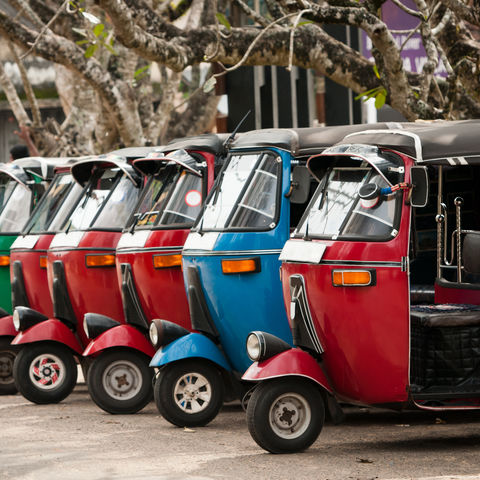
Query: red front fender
x=120 y=336
x=293 y=362
x=51 y=330
x=6 y=326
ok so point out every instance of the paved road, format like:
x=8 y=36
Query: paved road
x=76 y=440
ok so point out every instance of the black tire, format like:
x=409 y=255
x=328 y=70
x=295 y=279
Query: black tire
x=7 y=357
x=274 y=399
x=59 y=376
x=120 y=381
x=169 y=392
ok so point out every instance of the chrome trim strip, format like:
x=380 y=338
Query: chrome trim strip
x=362 y=263
x=209 y=253
x=305 y=313
x=176 y=248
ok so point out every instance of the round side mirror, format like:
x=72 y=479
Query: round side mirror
x=369 y=191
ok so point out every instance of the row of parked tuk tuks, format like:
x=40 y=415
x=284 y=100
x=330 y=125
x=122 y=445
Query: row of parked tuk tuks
x=344 y=262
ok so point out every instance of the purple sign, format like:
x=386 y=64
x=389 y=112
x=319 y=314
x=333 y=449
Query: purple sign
x=413 y=53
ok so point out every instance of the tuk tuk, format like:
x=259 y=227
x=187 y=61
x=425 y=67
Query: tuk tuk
x=22 y=184
x=148 y=262
x=81 y=277
x=230 y=266
x=381 y=282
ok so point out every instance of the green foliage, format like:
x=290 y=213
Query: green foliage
x=379 y=93
x=223 y=20
x=95 y=38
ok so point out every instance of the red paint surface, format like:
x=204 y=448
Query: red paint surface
x=6 y=327
x=120 y=336
x=49 y=330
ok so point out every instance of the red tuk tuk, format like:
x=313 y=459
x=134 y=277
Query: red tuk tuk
x=81 y=277
x=381 y=281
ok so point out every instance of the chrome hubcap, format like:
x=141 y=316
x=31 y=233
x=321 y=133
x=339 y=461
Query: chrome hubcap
x=47 y=371
x=290 y=415
x=122 y=380
x=192 y=393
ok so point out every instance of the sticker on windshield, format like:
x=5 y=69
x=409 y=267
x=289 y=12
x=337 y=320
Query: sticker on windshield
x=193 y=198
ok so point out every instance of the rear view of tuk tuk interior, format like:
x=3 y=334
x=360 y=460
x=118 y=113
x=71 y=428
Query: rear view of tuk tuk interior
x=381 y=281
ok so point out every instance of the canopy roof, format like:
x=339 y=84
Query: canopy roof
x=152 y=164
x=208 y=142
x=301 y=141
x=82 y=171
x=441 y=142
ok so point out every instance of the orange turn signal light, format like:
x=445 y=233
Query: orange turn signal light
x=4 y=260
x=352 y=278
x=100 y=260
x=167 y=261
x=243 y=265
x=43 y=261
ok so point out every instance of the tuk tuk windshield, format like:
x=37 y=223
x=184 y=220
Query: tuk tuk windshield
x=171 y=198
x=245 y=196
x=53 y=209
x=106 y=202
x=336 y=210
x=17 y=201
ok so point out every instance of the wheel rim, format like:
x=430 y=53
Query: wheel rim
x=7 y=358
x=290 y=415
x=47 y=371
x=122 y=380
x=192 y=393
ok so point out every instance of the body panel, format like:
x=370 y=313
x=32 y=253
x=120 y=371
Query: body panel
x=49 y=330
x=194 y=345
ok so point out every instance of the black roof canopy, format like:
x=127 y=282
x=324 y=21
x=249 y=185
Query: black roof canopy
x=208 y=142
x=301 y=141
x=441 y=143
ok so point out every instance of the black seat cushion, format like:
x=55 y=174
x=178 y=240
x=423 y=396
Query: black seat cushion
x=445 y=315
x=422 y=294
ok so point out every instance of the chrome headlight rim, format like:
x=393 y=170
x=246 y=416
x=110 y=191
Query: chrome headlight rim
x=255 y=346
x=85 y=326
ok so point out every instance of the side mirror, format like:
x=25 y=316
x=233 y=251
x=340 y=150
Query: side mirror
x=300 y=186
x=419 y=181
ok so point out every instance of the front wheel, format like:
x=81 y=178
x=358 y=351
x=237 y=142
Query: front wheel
x=7 y=357
x=285 y=415
x=189 y=393
x=120 y=381
x=45 y=372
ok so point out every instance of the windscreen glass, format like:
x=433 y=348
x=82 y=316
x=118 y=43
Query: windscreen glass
x=16 y=208
x=173 y=197
x=106 y=202
x=246 y=195
x=336 y=211
x=6 y=188
x=48 y=213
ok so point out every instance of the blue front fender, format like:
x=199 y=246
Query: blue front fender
x=193 y=345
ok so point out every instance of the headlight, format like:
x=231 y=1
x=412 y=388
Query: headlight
x=254 y=346
x=16 y=320
x=262 y=346
x=153 y=333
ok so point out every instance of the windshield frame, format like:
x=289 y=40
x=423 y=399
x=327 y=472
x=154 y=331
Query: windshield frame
x=308 y=234
x=27 y=230
x=67 y=227
x=259 y=152
x=132 y=222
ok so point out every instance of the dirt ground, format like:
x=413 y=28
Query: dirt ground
x=76 y=440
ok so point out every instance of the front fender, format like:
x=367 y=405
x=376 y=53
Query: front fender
x=293 y=362
x=193 y=345
x=51 y=330
x=120 y=336
x=6 y=326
